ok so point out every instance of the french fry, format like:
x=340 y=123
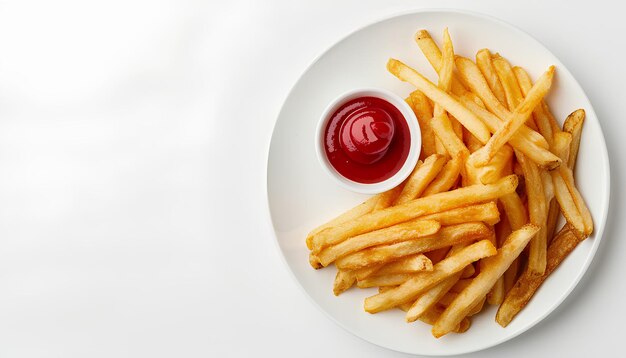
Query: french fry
x=433 y=55
x=445 y=70
x=514 y=209
x=538 y=213
x=482 y=283
x=447 y=236
x=477 y=308
x=430 y=298
x=562 y=245
x=487 y=213
x=438 y=254
x=573 y=125
x=451 y=105
x=359 y=210
x=471 y=142
x=446 y=178
x=432 y=314
x=413 y=209
x=568 y=178
x=410 y=264
x=394 y=279
x=500 y=166
x=485 y=64
x=423 y=281
x=442 y=127
x=512 y=91
x=387 y=198
x=468 y=271
x=516 y=120
x=542 y=119
x=343 y=281
x=420 y=178
x=460 y=285
x=424 y=113
x=402 y=232
x=496 y=294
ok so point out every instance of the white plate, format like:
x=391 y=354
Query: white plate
x=301 y=196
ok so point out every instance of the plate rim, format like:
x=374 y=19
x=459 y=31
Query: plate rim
x=603 y=219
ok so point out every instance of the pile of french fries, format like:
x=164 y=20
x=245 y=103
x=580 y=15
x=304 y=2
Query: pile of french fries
x=475 y=222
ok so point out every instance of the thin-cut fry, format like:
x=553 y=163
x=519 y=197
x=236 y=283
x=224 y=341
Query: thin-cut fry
x=409 y=264
x=500 y=166
x=433 y=55
x=562 y=244
x=424 y=113
x=462 y=114
x=442 y=127
x=512 y=91
x=487 y=213
x=516 y=120
x=538 y=213
x=484 y=63
x=387 y=198
x=343 y=281
x=447 y=236
x=420 y=178
x=542 y=119
x=402 y=232
x=480 y=285
x=573 y=125
x=385 y=280
x=515 y=210
x=431 y=297
x=447 y=177
x=423 y=281
x=432 y=314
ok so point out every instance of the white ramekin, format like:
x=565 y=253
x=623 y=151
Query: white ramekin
x=414 y=149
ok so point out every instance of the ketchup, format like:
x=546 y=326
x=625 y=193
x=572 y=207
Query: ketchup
x=367 y=140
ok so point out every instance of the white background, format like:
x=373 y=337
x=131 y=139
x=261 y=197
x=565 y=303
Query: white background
x=133 y=147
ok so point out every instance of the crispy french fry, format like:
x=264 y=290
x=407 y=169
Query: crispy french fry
x=409 y=264
x=496 y=294
x=413 y=209
x=387 y=198
x=500 y=166
x=468 y=271
x=424 y=113
x=439 y=254
x=467 y=118
x=482 y=283
x=460 y=285
x=542 y=119
x=423 y=281
x=485 y=64
x=538 y=213
x=477 y=308
x=385 y=280
x=446 y=178
x=512 y=92
x=566 y=202
x=445 y=70
x=402 y=232
x=430 y=298
x=562 y=245
x=487 y=213
x=471 y=142
x=516 y=120
x=359 y=210
x=447 y=299
x=573 y=125
x=433 y=55
x=343 y=281
x=432 y=314
x=442 y=127
x=447 y=236
x=582 y=208
x=514 y=209
x=420 y=178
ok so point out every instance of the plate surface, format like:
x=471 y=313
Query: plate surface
x=301 y=196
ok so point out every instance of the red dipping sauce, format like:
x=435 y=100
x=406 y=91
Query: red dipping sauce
x=367 y=140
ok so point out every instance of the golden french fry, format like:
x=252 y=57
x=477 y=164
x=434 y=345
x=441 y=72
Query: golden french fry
x=542 y=118
x=394 y=279
x=439 y=254
x=349 y=215
x=442 y=127
x=496 y=294
x=468 y=271
x=477 y=308
x=568 y=178
x=423 y=281
x=485 y=64
x=343 y=281
x=409 y=264
x=430 y=298
x=512 y=92
x=487 y=213
x=424 y=113
x=413 y=209
x=420 y=178
x=500 y=166
x=447 y=299
x=562 y=244
x=446 y=178
x=516 y=120
x=387 y=198
x=467 y=118
x=471 y=142
x=514 y=209
x=433 y=55
x=481 y=284
x=402 y=232
x=445 y=70
x=447 y=236
x=573 y=125
x=460 y=285
x=432 y=314
x=566 y=202
x=538 y=213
